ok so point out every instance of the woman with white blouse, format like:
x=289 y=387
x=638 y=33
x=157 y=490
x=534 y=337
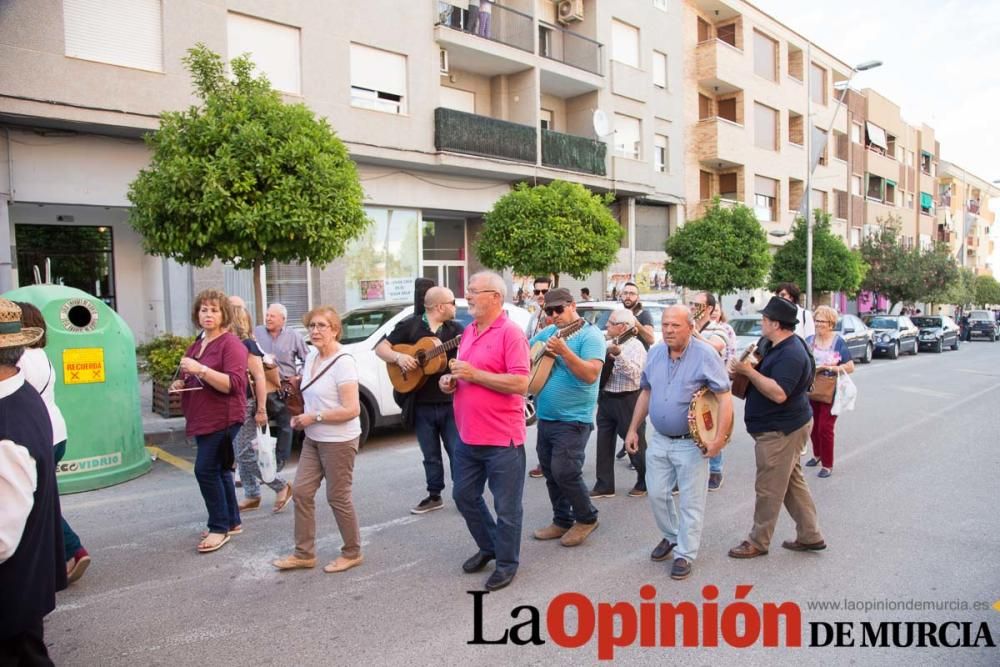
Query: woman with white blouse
x=333 y=429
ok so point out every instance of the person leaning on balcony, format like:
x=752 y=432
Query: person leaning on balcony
x=213 y=378
x=485 y=16
x=832 y=356
x=333 y=433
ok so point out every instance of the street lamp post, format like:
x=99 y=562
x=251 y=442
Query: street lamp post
x=813 y=161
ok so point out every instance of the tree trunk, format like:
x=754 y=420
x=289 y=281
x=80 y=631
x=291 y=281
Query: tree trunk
x=258 y=296
x=555 y=280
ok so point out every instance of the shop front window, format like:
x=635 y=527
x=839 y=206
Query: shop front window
x=80 y=257
x=383 y=263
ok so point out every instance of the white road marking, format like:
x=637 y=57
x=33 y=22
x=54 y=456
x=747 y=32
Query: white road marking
x=924 y=392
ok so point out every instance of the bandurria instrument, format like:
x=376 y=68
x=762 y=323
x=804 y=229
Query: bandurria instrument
x=609 y=362
x=703 y=418
x=741 y=383
x=542 y=362
x=431 y=356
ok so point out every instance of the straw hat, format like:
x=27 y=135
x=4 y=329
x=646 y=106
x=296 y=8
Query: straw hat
x=12 y=334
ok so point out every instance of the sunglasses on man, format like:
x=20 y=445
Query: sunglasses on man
x=554 y=310
x=539 y=292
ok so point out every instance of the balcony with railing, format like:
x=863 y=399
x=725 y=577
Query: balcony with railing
x=568 y=151
x=501 y=24
x=461 y=132
x=571 y=48
x=720 y=66
x=720 y=143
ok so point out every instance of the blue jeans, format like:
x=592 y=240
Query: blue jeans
x=561 y=452
x=71 y=541
x=434 y=424
x=680 y=462
x=215 y=479
x=715 y=463
x=503 y=468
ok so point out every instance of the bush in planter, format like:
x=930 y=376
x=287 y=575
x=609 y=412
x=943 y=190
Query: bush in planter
x=159 y=358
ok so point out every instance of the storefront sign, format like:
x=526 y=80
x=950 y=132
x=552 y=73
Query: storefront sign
x=83 y=365
x=89 y=464
x=399 y=289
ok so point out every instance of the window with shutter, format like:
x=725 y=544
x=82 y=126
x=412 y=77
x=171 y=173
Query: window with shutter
x=128 y=33
x=288 y=284
x=273 y=48
x=378 y=79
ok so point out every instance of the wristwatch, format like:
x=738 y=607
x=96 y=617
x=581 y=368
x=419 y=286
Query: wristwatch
x=318 y=417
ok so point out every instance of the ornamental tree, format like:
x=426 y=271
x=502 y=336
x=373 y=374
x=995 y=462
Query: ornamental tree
x=245 y=178
x=893 y=271
x=723 y=251
x=938 y=271
x=835 y=267
x=557 y=228
x=987 y=291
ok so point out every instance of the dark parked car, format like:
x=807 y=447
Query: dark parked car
x=982 y=324
x=894 y=334
x=937 y=332
x=860 y=339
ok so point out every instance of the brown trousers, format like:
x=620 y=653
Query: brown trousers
x=780 y=481
x=335 y=462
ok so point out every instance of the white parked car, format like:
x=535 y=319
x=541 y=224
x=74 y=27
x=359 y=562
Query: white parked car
x=363 y=329
x=598 y=312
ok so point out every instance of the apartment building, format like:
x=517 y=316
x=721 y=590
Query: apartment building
x=965 y=219
x=762 y=110
x=893 y=170
x=443 y=105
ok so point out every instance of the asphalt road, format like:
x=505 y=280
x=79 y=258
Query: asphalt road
x=910 y=514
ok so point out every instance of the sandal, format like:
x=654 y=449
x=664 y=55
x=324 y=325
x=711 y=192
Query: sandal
x=235 y=530
x=213 y=542
x=284 y=496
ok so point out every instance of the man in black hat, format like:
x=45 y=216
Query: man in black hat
x=779 y=419
x=427 y=409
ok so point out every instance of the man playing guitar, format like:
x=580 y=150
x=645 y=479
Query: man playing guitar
x=565 y=408
x=433 y=417
x=626 y=358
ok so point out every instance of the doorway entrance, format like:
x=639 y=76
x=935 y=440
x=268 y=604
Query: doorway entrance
x=444 y=258
x=78 y=256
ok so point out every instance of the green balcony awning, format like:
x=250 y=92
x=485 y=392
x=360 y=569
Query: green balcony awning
x=890 y=182
x=926 y=201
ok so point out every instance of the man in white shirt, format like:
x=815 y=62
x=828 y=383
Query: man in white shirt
x=805 y=326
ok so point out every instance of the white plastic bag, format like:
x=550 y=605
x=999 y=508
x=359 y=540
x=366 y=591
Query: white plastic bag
x=266 y=460
x=847 y=392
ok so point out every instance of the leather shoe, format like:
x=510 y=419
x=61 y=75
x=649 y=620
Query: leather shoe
x=662 y=550
x=499 y=580
x=550 y=532
x=795 y=545
x=681 y=569
x=746 y=550
x=293 y=562
x=477 y=562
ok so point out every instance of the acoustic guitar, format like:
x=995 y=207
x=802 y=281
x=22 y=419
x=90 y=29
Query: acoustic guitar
x=542 y=362
x=431 y=355
x=609 y=361
x=741 y=383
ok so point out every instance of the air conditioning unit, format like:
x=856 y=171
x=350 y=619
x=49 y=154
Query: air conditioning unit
x=443 y=57
x=570 y=11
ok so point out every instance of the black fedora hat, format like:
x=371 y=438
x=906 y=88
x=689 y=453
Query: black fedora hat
x=781 y=310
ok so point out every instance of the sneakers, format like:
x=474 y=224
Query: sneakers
x=681 y=569
x=77 y=565
x=812 y=463
x=550 y=532
x=428 y=504
x=536 y=472
x=637 y=492
x=602 y=494
x=714 y=481
x=577 y=534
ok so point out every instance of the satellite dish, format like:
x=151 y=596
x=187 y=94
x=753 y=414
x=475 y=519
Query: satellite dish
x=602 y=124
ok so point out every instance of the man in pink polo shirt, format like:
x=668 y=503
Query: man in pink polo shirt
x=489 y=379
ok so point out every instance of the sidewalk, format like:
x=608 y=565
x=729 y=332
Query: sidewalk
x=158 y=430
